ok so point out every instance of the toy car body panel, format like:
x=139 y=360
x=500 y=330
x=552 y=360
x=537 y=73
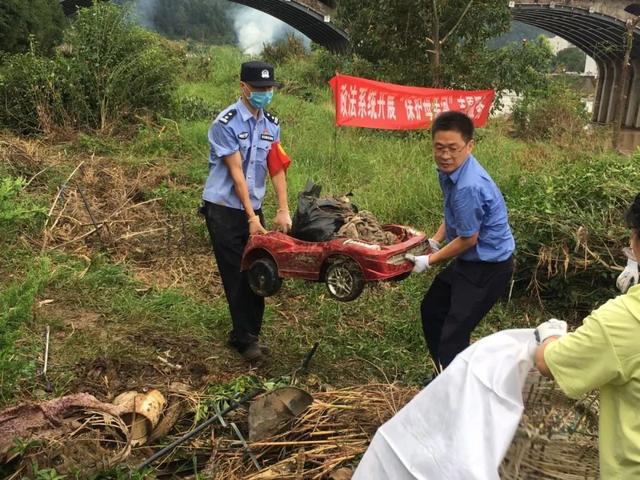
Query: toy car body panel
x=309 y=260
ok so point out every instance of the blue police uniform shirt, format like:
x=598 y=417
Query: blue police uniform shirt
x=235 y=129
x=473 y=204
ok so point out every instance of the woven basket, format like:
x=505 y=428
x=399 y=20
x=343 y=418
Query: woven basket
x=557 y=438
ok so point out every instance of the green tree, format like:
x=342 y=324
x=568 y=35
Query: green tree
x=570 y=59
x=20 y=20
x=521 y=68
x=423 y=42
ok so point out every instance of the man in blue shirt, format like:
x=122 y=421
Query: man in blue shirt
x=240 y=139
x=478 y=240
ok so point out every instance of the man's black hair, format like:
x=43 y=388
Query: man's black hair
x=453 y=121
x=632 y=217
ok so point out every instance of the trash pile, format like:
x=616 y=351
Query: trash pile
x=322 y=219
x=324 y=439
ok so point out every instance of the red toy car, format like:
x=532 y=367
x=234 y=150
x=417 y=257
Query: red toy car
x=342 y=263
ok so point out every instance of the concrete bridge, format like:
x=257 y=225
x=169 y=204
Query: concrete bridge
x=310 y=17
x=599 y=28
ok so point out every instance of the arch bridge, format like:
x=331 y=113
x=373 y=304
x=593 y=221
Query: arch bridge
x=600 y=29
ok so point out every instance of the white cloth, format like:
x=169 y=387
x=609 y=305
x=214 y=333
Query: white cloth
x=460 y=426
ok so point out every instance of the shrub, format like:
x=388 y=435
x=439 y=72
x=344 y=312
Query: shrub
x=289 y=48
x=569 y=230
x=556 y=113
x=118 y=69
x=110 y=73
x=32 y=94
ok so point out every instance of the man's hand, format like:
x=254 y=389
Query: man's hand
x=282 y=222
x=551 y=328
x=629 y=276
x=420 y=262
x=255 y=227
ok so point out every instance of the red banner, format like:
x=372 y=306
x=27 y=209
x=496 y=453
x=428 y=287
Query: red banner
x=370 y=104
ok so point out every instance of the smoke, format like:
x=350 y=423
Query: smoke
x=255 y=29
x=143 y=12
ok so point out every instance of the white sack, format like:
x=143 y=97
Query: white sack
x=460 y=426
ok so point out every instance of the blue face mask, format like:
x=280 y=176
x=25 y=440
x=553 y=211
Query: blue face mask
x=260 y=99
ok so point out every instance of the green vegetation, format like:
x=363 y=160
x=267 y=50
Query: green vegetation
x=570 y=60
x=553 y=112
x=24 y=23
x=206 y=21
x=109 y=73
x=126 y=275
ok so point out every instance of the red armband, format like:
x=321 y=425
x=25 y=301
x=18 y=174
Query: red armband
x=277 y=159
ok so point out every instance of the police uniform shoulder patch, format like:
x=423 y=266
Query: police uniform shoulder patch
x=226 y=118
x=273 y=119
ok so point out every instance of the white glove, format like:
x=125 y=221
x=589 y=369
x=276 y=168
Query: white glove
x=282 y=222
x=420 y=262
x=551 y=328
x=434 y=245
x=629 y=276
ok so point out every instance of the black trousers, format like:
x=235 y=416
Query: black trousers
x=458 y=299
x=229 y=232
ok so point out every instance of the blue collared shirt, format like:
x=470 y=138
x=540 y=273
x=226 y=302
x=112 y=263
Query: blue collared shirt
x=237 y=130
x=473 y=204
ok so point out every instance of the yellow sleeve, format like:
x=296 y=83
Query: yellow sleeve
x=583 y=360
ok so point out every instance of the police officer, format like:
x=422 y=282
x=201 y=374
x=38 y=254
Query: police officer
x=240 y=139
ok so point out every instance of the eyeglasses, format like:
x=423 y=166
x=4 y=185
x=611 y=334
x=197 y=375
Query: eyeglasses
x=452 y=150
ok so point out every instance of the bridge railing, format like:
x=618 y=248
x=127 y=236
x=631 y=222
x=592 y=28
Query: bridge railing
x=316 y=6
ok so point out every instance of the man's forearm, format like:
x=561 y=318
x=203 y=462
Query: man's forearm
x=279 y=181
x=234 y=164
x=452 y=249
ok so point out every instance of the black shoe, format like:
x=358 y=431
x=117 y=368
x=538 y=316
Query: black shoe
x=264 y=349
x=252 y=352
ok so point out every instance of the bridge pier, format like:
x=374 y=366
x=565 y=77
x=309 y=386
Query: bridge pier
x=616 y=68
x=633 y=100
x=600 y=29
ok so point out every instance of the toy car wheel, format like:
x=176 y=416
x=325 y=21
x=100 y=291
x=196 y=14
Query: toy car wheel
x=344 y=280
x=263 y=277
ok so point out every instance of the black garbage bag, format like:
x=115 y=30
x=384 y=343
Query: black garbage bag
x=319 y=219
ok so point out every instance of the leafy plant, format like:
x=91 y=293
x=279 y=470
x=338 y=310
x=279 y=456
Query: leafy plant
x=23 y=23
x=553 y=113
x=47 y=474
x=569 y=230
x=111 y=72
x=14 y=207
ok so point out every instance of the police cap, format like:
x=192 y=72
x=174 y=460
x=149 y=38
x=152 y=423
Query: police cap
x=258 y=74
